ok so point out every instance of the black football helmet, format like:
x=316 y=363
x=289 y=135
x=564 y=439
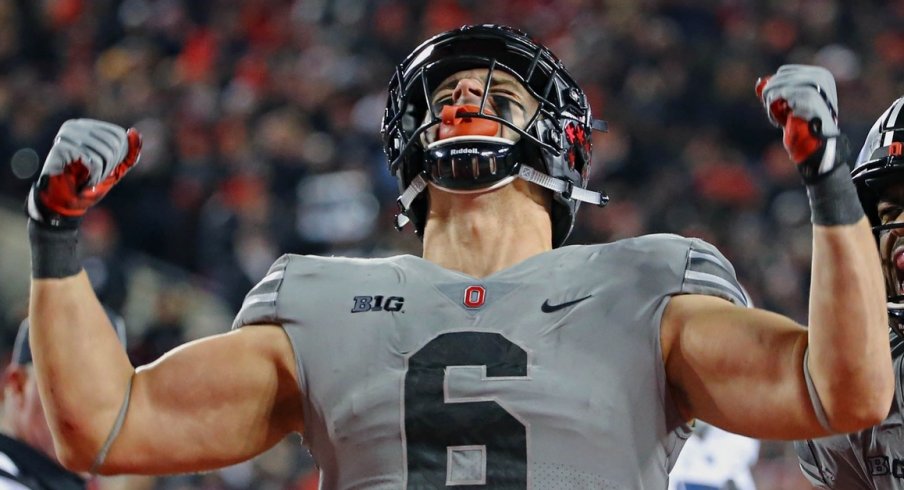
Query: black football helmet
x=880 y=163
x=550 y=146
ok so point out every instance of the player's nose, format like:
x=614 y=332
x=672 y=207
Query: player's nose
x=467 y=91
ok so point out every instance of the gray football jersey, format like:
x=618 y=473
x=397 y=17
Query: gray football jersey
x=546 y=375
x=871 y=459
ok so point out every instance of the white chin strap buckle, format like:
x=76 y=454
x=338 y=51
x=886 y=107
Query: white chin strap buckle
x=563 y=187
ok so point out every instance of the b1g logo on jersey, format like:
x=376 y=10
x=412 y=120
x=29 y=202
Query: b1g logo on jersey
x=376 y=303
x=882 y=466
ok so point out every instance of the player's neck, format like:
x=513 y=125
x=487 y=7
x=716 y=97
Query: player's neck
x=479 y=234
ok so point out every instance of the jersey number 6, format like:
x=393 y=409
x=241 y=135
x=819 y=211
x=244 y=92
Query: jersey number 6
x=466 y=444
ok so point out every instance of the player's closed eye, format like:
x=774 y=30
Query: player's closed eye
x=889 y=213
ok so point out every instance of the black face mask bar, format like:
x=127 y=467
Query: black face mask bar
x=423 y=79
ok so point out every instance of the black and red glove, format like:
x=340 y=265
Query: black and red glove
x=87 y=159
x=802 y=100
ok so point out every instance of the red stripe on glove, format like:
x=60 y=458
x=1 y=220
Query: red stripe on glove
x=66 y=193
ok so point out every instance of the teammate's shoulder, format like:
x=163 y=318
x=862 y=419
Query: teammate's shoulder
x=831 y=462
x=897 y=359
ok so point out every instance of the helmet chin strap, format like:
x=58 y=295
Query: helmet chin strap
x=564 y=187
x=530 y=174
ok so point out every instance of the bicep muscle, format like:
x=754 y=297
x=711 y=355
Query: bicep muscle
x=209 y=403
x=737 y=368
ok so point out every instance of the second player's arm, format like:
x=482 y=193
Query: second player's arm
x=210 y=403
x=741 y=369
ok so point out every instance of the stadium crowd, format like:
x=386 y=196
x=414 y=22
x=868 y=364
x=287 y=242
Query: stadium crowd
x=261 y=136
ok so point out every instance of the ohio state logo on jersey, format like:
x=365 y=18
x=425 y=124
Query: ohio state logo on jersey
x=475 y=296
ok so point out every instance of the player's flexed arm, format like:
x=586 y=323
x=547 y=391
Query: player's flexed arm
x=207 y=404
x=745 y=370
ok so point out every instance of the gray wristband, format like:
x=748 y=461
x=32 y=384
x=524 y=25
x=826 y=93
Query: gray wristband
x=833 y=199
x=54 y=251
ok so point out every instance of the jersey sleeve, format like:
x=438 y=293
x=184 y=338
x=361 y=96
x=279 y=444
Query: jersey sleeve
x=261 y=305
x=708 y=272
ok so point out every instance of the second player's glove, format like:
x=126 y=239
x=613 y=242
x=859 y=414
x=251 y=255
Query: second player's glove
x=88 y=158
x=802 y=100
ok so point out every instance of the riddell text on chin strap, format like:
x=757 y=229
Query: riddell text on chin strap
x=455 y=122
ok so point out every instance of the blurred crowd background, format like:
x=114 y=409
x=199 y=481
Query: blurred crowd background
x=261 y=125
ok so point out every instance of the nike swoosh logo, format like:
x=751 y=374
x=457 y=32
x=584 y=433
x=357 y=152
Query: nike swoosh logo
x=548 y=308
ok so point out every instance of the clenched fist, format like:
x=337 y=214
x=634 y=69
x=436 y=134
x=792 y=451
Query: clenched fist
x=88 y=158
x=802 y=100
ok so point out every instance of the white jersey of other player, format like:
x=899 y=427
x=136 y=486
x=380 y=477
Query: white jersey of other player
x=8 y=467
x=713 y=459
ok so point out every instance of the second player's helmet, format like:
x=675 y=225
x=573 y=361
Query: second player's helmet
x=880 y=163
x=478 y=147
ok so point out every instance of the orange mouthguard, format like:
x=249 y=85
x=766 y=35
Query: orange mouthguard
x=453 y=124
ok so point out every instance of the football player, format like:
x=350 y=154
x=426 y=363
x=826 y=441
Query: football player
x=874 y=458
x=27 y=457
x=499 y=359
